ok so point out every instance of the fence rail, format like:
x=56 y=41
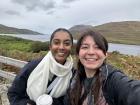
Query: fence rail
x=8 y=75
x=12 y=62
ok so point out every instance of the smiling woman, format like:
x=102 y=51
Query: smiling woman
x=60 y=46
x=91 y=56
x=50 y=75
x=96 y=82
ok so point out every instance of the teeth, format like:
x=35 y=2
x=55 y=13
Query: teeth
x=61 y=53
x=91 y=59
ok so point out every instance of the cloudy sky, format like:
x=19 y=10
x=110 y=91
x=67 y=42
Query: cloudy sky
x=46 y=15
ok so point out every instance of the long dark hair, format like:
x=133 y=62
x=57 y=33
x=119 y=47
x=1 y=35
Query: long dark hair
x=64 y=30
x=75 y=91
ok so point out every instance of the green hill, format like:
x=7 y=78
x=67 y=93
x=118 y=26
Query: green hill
x=127 y=32
x=11 y=30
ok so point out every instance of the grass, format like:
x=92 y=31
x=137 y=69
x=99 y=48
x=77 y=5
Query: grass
x=14 y=43
x=20 y=49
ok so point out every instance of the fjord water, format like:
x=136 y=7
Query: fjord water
x=125 y=49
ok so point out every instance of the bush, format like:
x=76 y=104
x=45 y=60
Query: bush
x=39 y=46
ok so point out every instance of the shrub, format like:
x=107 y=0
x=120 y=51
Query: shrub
x=39 y=46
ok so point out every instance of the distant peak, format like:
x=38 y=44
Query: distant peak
x=12 y=30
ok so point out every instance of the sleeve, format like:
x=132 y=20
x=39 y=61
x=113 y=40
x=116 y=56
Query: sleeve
x=123 y=90
x=17 y=92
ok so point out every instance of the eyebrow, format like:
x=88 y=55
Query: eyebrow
x=84 y=44
x=68 y=40
x=64 y=40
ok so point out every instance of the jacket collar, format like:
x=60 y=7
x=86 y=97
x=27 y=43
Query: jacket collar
x=104 y=72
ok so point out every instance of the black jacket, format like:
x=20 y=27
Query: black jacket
x=17 y=94
x=117 y=88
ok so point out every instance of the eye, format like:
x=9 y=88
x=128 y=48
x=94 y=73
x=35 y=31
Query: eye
x=67 y=43
x=55 y=42
x=84 y=47
x=96 y=47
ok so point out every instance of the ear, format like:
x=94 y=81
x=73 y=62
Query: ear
x=106 y=54
x=50 y=46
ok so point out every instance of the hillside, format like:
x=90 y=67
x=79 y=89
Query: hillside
x=127 y=32
x=78 y=28
x=11 y=30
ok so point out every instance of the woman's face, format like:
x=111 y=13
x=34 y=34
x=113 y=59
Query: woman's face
x=90 y=55
x=61 y=46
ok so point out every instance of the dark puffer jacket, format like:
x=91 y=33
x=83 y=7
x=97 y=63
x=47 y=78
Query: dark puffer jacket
x=117 y=88
x=17 y=92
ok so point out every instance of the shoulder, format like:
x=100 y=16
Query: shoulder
x=29 y=67
x=121 y=88
x=119 y=82
x=114 y=74
x=108 y=72
x=21 y=78
x=113 y=78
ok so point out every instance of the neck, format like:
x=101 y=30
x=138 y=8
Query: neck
x=90 y=73
x=62 y=62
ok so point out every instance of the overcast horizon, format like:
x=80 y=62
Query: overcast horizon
x=45 y=16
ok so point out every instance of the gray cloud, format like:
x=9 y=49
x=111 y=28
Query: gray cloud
x=66 y=13
x=47 y=6
x=50 y=12
x=10 y=12
x=34 y=4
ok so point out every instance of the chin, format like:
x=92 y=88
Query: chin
x=92 y=67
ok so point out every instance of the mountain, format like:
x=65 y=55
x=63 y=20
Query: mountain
x=77 y=29
x=11 y=30
x=80 y=27
x=127 y=32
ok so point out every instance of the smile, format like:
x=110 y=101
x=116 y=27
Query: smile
x=91 y=59
x=61 y=54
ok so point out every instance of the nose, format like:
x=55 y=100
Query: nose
x=91 y=50
x=61 y=46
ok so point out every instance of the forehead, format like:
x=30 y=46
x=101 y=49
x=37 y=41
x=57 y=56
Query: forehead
x=88 y=40
x=61 y=35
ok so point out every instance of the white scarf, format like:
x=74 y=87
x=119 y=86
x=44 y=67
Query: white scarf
x=38 y=80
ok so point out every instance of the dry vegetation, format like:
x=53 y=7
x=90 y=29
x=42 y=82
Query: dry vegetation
x=130 y=65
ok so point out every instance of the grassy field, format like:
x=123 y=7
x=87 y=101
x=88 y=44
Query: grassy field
x=22 y=49
x=13 y=43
